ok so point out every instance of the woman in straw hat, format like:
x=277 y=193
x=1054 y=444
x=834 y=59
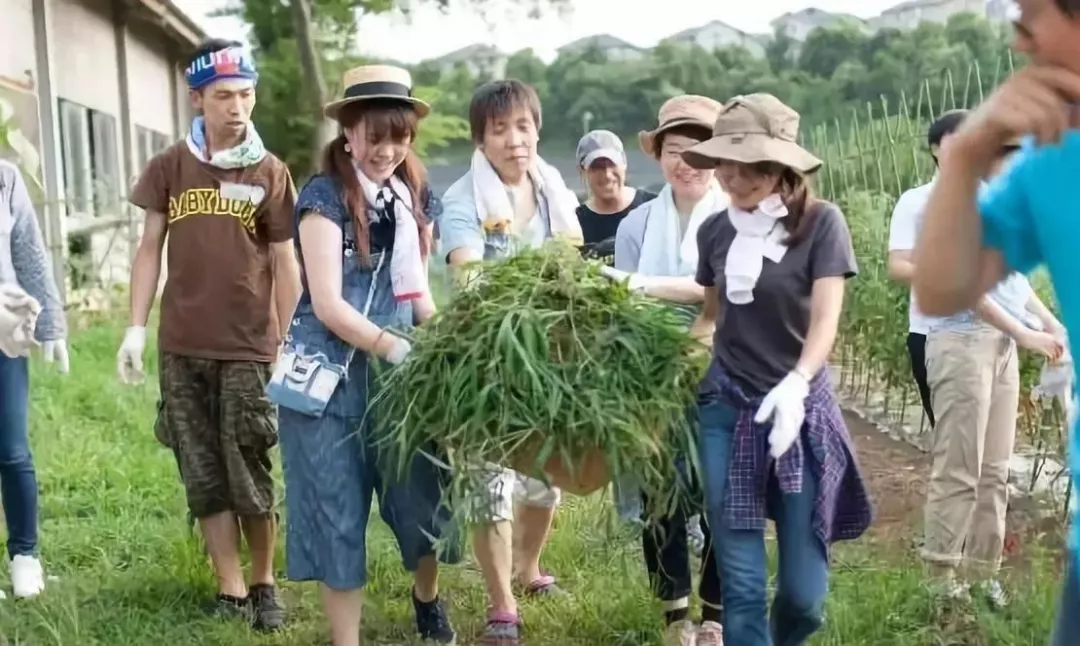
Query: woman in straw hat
x=364 y=235
x=656 y=250
x=772 y=439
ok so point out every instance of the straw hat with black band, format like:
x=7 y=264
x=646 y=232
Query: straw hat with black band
x=369 y=82
x=684 y=110
x=751 y=129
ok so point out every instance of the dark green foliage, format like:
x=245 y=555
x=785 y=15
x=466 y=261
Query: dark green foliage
x=542 y=353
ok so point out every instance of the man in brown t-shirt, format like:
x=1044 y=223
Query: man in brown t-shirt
x=226 y=206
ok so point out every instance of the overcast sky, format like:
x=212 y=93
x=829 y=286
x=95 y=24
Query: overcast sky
x=427 y=33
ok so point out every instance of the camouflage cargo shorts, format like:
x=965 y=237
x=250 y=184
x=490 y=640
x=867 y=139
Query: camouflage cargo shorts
x=216 y=418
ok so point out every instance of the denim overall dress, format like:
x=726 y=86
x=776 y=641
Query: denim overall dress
x=330 y=464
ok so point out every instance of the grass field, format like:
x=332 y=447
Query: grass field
x=128 y=572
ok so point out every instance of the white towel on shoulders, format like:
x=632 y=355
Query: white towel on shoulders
x=662 y=252
x=758 y=235
x=496 y=211
x=408 y=273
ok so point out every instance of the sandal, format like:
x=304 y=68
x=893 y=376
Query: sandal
x=545 y=586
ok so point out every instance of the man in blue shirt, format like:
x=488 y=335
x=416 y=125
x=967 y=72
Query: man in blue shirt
x=1030 y=215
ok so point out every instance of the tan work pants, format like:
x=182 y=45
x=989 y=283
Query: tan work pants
x=975 y=388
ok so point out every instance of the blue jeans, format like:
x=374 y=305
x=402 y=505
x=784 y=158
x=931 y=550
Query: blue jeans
x=740 y=554
x=1067 y=628
x=18 y=484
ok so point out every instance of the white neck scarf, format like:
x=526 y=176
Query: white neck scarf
x=663 y=253
x=408 y=275
x=248 y=152
x=496 y=212
x=758 y=235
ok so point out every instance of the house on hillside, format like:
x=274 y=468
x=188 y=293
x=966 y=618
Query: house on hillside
x=616 y=49
x=718 y=34
x=481 y=60
x=97 y=88
x=798 y=24
x=910 y=14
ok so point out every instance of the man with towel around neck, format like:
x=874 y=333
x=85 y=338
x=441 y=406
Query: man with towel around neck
x=509 y=199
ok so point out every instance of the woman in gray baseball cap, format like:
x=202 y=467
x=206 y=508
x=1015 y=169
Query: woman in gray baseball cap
x=602 y=161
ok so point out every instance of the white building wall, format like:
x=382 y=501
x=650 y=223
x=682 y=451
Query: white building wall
x=150 y=75
x=17 y=61
x=84 y=54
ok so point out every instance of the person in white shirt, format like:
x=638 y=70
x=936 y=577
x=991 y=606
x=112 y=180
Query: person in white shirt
x=903 y=229
x=970 y=365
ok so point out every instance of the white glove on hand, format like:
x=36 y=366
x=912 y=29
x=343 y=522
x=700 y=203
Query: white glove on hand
x=786 y=405
x=129 y=365
x=401 y=349
x=18 y=318
x=57 y=351
x=637 y=282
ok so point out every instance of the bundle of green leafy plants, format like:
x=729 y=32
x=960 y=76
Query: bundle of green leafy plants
x=540 y=355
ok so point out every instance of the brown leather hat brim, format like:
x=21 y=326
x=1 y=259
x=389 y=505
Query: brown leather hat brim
x=751 y=149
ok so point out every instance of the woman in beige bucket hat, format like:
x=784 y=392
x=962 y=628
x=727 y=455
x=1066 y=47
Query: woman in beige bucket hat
x=363 y=235
x=655 y=250
x=771 y=433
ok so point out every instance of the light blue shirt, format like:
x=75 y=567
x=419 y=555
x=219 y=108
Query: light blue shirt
x=1031 y=213
x=1012 y=294
x=460 y=226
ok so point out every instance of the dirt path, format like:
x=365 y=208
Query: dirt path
x=896 y=473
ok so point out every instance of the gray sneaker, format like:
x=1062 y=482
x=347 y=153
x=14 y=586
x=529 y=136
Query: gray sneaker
x=995 y=594
x=267 y=610
x=951 y=589
x=230 y=607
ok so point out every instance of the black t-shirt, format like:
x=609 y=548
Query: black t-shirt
x=598 y=229
x=758 y=343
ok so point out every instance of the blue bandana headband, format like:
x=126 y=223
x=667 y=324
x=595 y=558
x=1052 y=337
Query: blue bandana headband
x=229 y=63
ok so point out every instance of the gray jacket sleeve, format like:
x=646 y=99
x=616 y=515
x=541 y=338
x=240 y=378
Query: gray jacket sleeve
x=30 y=258
x=628 y=239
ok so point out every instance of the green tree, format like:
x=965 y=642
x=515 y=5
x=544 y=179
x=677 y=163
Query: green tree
x=527 y=67
x=780 y=52
x=827 y=48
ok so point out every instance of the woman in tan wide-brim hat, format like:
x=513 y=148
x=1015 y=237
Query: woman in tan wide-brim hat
x=364 y=233
x=654 y=248
x=771 y=433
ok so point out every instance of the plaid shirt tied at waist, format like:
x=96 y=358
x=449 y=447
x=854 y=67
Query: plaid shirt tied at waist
x=842 y=510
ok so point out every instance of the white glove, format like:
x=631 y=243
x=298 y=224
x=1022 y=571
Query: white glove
x=401 y=349
x=18 y=318
x=57 y=351
x=1056 y=382
x=637 y=282
x=129 y=365
x=786 y=405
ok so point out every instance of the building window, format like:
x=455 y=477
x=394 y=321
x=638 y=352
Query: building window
x=106 y=163
x=75 y=147
x=148 y=143
x=91 y=160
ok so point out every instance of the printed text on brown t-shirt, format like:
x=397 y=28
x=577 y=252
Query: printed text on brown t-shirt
x=208 y=201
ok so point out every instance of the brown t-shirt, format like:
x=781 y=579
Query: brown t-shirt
x=759 y=343
x=218 y=299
